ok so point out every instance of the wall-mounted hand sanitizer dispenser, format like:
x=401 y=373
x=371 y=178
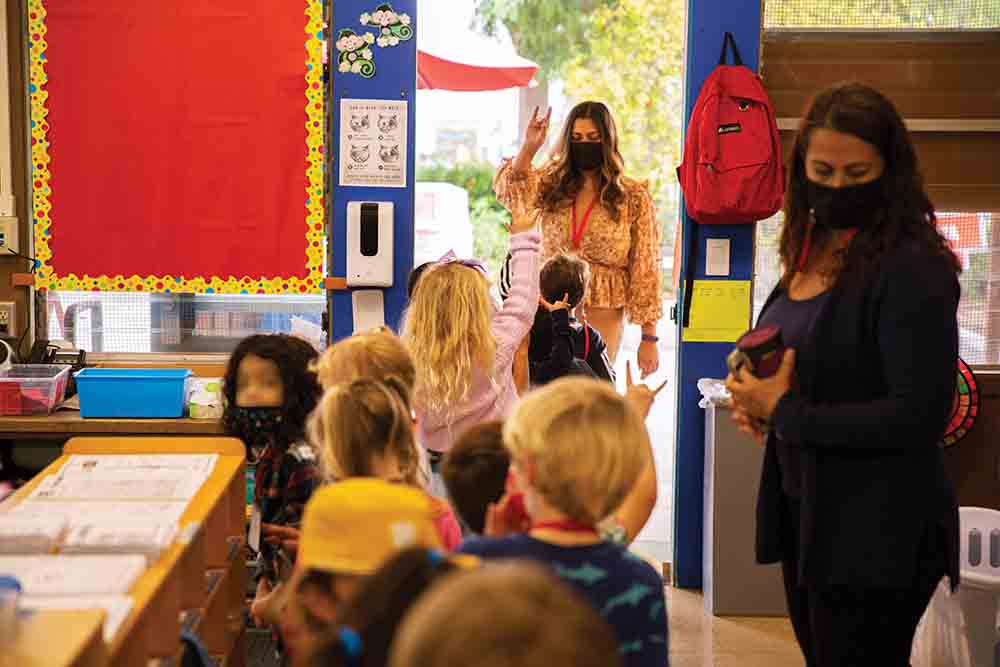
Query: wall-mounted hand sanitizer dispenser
x=369 y=244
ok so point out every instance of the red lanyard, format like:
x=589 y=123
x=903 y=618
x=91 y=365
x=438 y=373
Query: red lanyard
x=577 y=230
x=566 y=525
x=807 y=246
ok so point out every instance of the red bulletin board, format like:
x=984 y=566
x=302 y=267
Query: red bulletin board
x=177 y=145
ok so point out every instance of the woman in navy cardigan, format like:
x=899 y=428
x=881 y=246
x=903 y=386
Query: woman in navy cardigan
x=854 y=499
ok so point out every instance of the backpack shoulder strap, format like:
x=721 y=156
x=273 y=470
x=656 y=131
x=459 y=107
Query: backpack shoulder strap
x=729 y=40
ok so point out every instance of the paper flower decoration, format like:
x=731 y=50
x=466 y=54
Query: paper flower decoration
x=393 y=28
x=355 y=53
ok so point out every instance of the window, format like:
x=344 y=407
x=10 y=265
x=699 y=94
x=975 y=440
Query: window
x=882 y=14
x=975 y=238
x=176 y=323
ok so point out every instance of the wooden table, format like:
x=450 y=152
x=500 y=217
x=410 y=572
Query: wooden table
x=201 y=576
x=67 y=424
x=70 y=638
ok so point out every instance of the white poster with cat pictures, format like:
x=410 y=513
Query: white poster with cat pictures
x=373 y=143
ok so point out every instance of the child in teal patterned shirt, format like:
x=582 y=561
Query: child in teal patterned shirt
x=577 y=448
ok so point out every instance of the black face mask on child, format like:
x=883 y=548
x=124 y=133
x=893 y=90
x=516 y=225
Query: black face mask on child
x=586 y=155
x=847 y=207
x=257 y=427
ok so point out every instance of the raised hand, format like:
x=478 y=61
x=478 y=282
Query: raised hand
x=537 y=131
x=639 y=395
x=562 y=304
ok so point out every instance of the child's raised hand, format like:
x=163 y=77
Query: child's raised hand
x=639 y=395
x=562 y=304
x=506 y=517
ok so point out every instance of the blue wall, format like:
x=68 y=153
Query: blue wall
x=395 y=79
x=708 y=21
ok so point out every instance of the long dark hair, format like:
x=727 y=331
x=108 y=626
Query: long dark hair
x=861 y=111
x=376 y=611
x=294 y=358
x=563 y=181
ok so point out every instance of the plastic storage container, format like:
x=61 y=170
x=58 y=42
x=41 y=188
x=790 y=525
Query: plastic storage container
x=134 y=393
x=32 y=389
x=963 y=629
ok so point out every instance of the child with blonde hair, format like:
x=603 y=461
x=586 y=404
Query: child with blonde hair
x=364 y=428
x=463 y=345
x=577 y=449
x=377 y=354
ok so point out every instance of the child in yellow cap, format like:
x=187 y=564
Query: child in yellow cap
x=348 y=530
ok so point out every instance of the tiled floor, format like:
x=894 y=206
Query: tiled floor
x=698 y=639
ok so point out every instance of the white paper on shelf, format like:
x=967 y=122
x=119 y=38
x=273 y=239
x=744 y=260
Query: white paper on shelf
x=123 y=485
x=30 y=535
x=109 y=535
x=76 y=512
x=117 y=608
x=80 y=464
x=74 y=575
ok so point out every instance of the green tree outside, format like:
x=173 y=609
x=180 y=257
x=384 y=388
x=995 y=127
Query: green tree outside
x=634 y=64
x=488 y=217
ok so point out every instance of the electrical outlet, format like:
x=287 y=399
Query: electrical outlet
x=8 y=235
x=8 y=324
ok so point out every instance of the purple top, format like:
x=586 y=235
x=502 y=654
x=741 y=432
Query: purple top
x=796 y=319
x=492 y=394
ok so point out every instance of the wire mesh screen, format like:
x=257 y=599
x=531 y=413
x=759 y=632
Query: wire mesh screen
x=882 y=14
x=978 y=246
x=179 y=323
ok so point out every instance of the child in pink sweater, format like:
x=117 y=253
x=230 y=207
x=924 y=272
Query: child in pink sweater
x=463 y=345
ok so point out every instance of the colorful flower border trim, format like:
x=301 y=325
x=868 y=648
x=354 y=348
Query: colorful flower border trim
x=46 y=277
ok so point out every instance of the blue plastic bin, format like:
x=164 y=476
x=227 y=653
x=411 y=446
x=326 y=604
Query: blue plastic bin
x=134 y=393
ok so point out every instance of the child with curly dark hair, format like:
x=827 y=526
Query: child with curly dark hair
x=270 y=390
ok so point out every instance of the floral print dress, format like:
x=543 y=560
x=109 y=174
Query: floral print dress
x=624 y=254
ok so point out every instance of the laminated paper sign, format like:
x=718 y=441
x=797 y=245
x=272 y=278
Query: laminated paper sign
x=373 y=143
x=720 y=311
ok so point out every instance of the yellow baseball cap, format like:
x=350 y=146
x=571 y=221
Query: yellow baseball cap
x=353 y=526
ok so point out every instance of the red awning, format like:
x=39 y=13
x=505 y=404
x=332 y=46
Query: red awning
x=465 y=61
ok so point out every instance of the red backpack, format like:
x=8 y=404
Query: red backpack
x=731 y=172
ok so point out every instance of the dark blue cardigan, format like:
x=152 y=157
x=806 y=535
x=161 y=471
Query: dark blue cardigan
x=875 y=385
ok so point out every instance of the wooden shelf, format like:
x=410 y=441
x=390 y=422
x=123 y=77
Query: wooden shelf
x=67 y=424
x=79 y=640
x=201 y=573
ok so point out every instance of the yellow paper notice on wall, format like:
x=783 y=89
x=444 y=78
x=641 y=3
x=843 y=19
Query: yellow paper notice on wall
x=720 y=311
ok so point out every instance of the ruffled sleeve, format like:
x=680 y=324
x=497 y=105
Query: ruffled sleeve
x=644 y=303
x=516 y=191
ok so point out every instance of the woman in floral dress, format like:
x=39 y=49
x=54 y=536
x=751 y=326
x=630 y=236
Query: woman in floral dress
x=586 y=205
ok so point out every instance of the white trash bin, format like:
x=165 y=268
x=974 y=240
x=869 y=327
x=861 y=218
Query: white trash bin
x=963 y=629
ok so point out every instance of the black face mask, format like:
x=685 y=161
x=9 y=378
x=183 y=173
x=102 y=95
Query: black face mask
x=586 y=155
x=847 y=207
x=257 y=427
